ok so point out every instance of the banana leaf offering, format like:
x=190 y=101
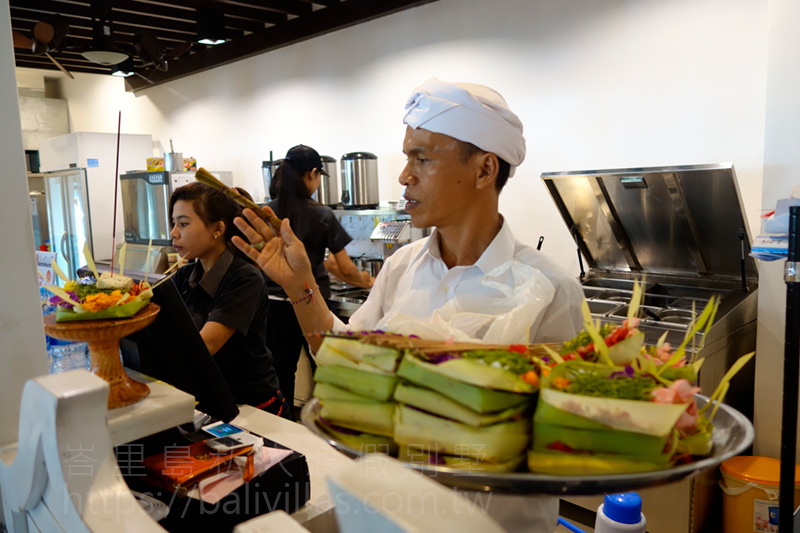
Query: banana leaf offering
x=101 y=296
x=105 y=297
x=459 y=404
x=608 y=404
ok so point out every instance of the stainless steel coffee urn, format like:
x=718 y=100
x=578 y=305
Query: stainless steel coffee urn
x=328 y=191
x=359 y=180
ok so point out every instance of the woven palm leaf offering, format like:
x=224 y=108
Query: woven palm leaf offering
x=104 y=296
x=462 y=405
x=608 y=404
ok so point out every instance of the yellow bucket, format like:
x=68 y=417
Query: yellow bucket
x=750 y=487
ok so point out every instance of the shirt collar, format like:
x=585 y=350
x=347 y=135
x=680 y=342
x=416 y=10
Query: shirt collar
x=499 y=251
x=210 y=282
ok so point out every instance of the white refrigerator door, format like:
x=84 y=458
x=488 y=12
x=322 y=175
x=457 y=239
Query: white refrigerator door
x=68 y=218
x=97 y=153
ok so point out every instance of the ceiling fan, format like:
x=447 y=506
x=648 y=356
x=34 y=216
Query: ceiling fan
x=153 y=54
x=48 y=34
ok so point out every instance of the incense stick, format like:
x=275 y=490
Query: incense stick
x=171 y=271
x=116 y=184
x=206 y=178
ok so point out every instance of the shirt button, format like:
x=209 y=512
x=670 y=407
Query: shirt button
x=446 y=288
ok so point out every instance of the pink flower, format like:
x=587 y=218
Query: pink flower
x=631 y=324
x=687 y=423
x=680 y=391
x=664 y=352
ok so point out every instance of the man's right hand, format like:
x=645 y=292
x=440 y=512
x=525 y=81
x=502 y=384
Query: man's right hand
x=283 y=258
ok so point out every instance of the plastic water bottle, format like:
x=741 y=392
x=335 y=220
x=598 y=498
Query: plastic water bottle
x=620 y=513
x=65 y=356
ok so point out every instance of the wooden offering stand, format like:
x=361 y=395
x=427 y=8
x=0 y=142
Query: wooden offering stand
x=103 y=337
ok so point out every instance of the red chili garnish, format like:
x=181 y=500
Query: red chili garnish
x=560 y=447
x=616 y=336
x=586 y=351
x=519 y=348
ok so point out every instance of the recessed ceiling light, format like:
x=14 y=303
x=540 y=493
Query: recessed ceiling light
x=210 y=26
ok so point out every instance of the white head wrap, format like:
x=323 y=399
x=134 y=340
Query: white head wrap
x=468 y=112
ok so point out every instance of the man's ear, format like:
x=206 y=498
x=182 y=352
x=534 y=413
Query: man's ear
x=488 y=167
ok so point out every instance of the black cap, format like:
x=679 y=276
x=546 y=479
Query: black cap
x=304 y=158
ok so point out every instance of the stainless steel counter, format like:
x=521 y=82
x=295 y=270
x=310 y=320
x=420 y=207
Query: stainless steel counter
x=346 y=299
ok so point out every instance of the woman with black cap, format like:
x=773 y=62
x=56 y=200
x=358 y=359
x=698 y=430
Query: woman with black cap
x=296 y=180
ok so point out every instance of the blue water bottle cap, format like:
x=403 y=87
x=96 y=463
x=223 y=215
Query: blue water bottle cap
x=625 y=507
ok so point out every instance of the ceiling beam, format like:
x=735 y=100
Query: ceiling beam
x=235 y=10
x=317 y=23
x=289 y=7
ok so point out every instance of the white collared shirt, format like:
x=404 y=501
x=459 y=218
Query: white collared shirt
x=415 y=281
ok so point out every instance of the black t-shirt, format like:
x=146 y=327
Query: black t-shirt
x=317 y=226
x=233 y=293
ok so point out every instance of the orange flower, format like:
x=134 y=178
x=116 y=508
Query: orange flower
x=531 y=378
x=561 y=383
x=102 y=300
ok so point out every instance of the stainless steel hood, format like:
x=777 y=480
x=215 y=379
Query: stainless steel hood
x=683 y=229
x=685 y=221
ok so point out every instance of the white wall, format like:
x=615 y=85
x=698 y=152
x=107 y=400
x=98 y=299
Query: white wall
x=22 y=347
x=598 y=84
x=781 y=172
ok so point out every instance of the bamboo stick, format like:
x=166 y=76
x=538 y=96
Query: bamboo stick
x=426 y=346
x=206 y=178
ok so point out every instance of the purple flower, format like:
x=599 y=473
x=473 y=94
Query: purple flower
x=438 y=358
x=55 y=300
x=629 y=372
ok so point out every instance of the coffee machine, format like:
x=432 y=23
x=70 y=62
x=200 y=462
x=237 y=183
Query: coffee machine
x=377 y=234
x=145 y=211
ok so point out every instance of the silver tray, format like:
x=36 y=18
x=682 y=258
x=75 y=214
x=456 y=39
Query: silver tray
x=733 y=433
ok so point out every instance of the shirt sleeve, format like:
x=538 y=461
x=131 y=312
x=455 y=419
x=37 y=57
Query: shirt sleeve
x=237 y=300
x=562 y=320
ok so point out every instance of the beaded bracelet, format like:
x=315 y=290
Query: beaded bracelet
x=308 y=296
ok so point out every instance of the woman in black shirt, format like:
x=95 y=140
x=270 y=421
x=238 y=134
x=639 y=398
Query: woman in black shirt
x=225 y=294
x=296 y=180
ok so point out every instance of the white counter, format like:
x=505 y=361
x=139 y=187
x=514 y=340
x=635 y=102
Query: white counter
x=322 y=459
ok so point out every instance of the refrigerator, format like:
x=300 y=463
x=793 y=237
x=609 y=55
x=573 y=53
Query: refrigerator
x=68 y=218
x=95 y=154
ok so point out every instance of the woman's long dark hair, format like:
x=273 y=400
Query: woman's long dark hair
x=212 y=206
x=291 y=189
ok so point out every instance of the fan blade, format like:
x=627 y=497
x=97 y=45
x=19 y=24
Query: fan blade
x=60 y=66
x=22 y=41
x=60 y=29
x=145 y=78
x=146 y=43
x=44 y=32
x=178 y=51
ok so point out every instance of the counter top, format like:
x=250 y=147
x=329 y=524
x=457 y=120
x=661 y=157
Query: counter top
x=165 y=407
x=321 y=457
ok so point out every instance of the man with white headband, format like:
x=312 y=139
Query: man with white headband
x=462 y=143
